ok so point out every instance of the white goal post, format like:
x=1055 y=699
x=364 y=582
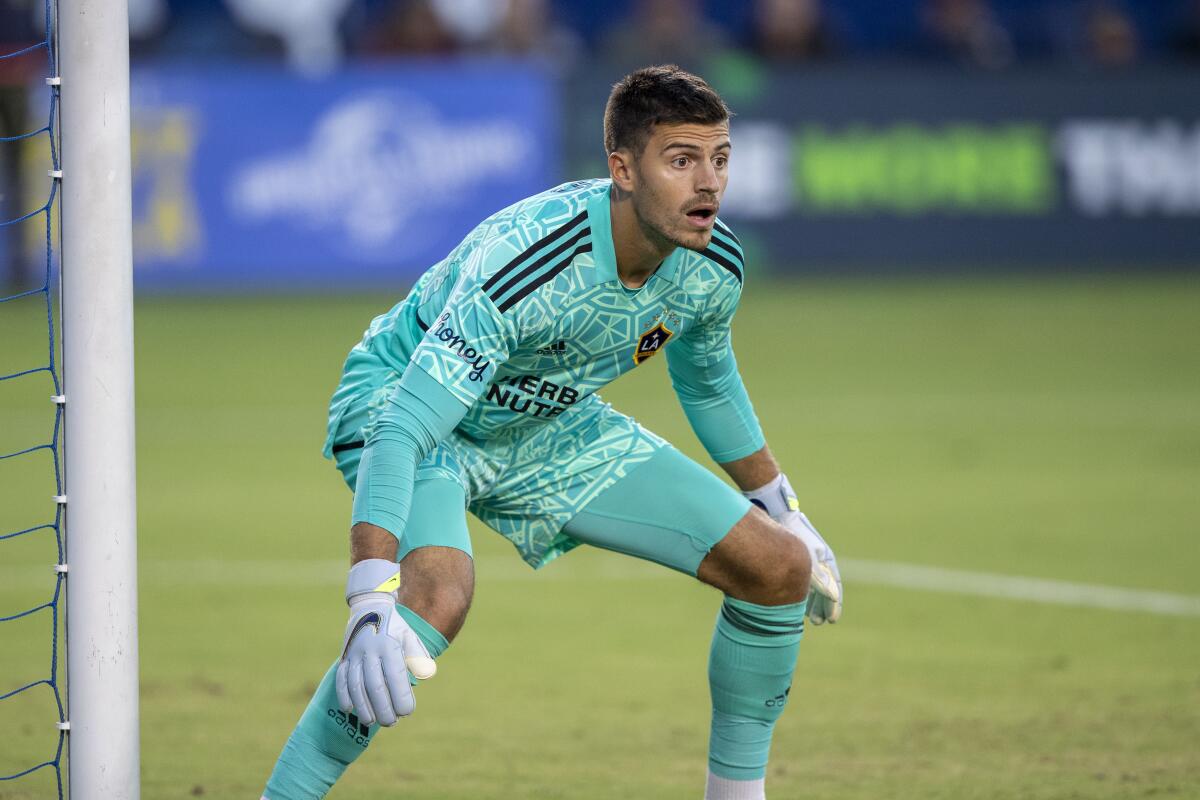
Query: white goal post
x=97 y=321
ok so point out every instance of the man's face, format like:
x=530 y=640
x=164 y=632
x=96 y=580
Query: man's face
x=680 y=179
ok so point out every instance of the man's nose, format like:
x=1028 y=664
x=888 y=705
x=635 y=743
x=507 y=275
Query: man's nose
x=706 y=178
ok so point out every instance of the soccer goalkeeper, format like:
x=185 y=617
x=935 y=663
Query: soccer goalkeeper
x=478 y=392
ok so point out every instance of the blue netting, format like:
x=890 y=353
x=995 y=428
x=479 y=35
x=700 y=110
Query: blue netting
x=46 y=362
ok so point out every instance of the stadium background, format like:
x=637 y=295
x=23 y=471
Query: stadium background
x=971 y=330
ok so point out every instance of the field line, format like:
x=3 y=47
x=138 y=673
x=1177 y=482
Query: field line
x=1016 y=587
x=331 y=572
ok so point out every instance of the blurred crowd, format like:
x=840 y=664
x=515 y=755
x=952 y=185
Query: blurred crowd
x=314 y=35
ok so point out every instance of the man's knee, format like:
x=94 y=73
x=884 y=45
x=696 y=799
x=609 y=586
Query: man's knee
x=437 y=583
x=793 y=566
x=759 y=561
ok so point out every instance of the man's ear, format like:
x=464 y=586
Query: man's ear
x=621 y=168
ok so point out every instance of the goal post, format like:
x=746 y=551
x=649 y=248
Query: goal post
x=97 y=322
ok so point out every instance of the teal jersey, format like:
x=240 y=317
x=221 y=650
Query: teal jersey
x=526 y=319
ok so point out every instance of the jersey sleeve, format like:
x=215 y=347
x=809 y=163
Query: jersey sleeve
x=420 y=412
x=452 y=365
x=468 y=338
x=705 y=377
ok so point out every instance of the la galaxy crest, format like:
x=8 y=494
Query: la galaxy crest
x=651 y=342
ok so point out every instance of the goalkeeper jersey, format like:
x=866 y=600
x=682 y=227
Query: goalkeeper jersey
x=526 y=319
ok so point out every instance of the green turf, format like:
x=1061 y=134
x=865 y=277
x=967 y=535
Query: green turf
x=1049 y=429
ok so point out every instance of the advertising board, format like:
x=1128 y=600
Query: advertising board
x=903 y=169
x=251 y=177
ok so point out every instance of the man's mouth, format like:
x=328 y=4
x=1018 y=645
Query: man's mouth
x=702 y=216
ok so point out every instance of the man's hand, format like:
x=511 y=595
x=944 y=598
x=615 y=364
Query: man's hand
x=825 y=593
x=825 y=590
x=379 y=649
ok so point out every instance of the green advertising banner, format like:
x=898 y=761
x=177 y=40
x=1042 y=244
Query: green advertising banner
x=905 y=169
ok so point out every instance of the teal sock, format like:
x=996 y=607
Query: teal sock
x=326 y=739
x=750 y=676
x=430 y=636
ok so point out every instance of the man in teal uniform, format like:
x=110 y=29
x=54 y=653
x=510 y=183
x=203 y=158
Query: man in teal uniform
x=478 y=392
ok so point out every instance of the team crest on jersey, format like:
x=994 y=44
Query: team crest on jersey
x=651 y=342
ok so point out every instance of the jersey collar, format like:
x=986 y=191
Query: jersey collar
x=600 y=219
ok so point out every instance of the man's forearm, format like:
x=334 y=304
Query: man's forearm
x=717 y=406
x=371 y=541
x=754 y=471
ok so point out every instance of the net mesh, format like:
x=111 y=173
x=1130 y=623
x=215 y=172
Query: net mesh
x=43 y=438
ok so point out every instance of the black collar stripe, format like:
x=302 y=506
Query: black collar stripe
x=728 y=241
x=544 y=278
x=734 y=254
x=539 y=264
x=728 y=233
x=717 y=258
x=533 y=249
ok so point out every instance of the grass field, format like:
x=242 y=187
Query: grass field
x=1037 y=428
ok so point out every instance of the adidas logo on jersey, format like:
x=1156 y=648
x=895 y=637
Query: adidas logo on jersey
x=559 y=348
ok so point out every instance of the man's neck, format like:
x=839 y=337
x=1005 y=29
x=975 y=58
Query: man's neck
x=639 y=251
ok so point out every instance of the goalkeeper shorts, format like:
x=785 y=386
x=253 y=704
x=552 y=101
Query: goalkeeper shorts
x=592 y=476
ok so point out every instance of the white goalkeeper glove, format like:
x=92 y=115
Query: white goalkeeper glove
x=825 y=592
x=372 y=679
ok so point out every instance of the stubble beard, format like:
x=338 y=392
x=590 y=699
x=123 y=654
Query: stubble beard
x=659 y=232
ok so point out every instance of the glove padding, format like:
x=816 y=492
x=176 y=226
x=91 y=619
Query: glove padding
x=825 y=591
x=379 y=649
x=825 y=588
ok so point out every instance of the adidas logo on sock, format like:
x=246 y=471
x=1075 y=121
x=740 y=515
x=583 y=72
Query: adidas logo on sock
x=350 y=723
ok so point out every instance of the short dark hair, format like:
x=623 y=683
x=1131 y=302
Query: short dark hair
x=663 y=94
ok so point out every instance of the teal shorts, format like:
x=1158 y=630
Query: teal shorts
x=590 y=476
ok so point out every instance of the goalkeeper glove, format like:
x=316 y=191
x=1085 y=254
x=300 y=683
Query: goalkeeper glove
x=371 y=679
x=825 y=592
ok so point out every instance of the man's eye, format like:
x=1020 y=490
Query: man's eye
x=720 y=161
x=680 y=161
